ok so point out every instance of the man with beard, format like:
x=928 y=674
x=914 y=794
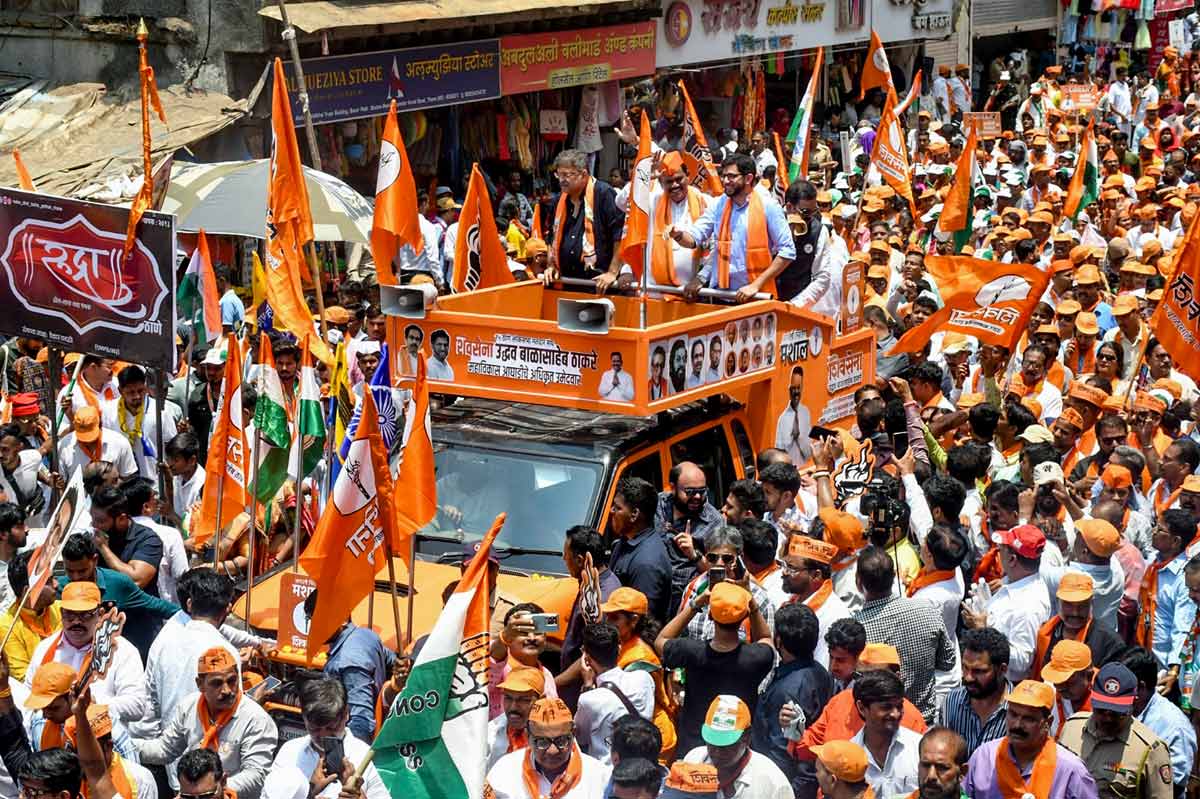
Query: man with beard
x=807 y=576
x=1124 y=755
x=795 y=423
x=508 y=731
x=679 y=359
x=977 y=709
x=1027 y=760
x=942 y=765
x=684 y=517
x=1074 y=622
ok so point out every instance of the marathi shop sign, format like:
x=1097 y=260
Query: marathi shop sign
x=560 y=59
x=345 y=87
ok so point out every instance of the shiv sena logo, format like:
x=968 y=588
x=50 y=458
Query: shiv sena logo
x=76 y=272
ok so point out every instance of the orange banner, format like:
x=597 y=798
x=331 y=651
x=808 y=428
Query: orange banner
x=1176 y=321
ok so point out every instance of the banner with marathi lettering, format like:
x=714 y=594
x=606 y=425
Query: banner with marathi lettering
x=344 y=87
x=1176 y=321
x=537 y=61
x=63 y=278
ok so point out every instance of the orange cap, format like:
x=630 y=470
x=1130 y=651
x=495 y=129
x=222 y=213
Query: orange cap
x=1087 y=324
x=1099 y=536
x=1063 y=264
x=80 y=597
x=1089 y=394
x=1071 y=416
x=626 y=600
x=727 y=720
x=524 y=681
x=87 y=424
x=1148 y=402
x=1191 y=484
x=550 y=710
x=1032 y=693
x=1075 y=587
x=804 y=546
x=214 y=660
x=1124 y=304
x=730 y=603
x=1066 y=658
x=692 y=778
x=1068 y=308
x=671 y=162
x=879 y=655
x=1115 y=476
x=1172 y=387
x=970 y=400
x=1087 y=275
x=50 y=681
x=845 y=760
x=842 y=529
x=98 y=719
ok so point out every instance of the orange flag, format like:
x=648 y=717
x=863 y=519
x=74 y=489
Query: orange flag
x=289 y=226
x=145 y=195
x=416 y=485
x=989 y=300
x=956 y=209
x=395 y=223
x=347 y=549
x=535 y=229
x=890 y=155
x=637 y=217
x=227 y=473
x=1176 y=321
x=876 y=70
x=696 y=153
x=480 y=260
x=23 y=179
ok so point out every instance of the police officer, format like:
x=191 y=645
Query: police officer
x=1125 y=758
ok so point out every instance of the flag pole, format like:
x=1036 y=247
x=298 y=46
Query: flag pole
x=412 y=572
x=254 y=502
x=160 y=396
x=387 y=546
x=54 y=361
x=299 y=489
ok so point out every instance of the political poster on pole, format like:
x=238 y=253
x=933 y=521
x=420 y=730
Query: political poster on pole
x=66 y=517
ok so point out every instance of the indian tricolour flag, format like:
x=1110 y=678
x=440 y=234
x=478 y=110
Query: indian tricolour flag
x=434 y=743
x=309 y=424
x=197 y=293
x=1084 y=187
x=270 y=424
x=801 y=130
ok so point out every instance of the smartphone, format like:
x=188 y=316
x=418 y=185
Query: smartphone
x=335 y=754
x=545 y=622
x=818 y=433
x=264 y=689
x=739 y=570
x=716 y=574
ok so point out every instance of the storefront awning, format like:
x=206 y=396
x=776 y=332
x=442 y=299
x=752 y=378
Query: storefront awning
x=322 y=15
x=80 y=141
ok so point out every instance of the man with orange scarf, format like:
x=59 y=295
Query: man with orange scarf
x=49 y=703
x=221 y=719
x=1074 y=623
x=1027 y=761
x=509 y=731
x=808 y=578
x=587 y=225
x=673 y=203
x=748 y=231
x=1162 y=624
x=131 y=780
x=552 y=765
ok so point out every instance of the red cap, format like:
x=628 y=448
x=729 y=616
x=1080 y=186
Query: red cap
x=25 y=405
x=1024 y=539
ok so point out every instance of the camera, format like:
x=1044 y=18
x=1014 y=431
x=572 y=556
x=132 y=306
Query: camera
x=882 y=506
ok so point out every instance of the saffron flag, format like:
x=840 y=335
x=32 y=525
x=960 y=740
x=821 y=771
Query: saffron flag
x=957 y=214
x=1176 y=321
x=289 y=226
x=395 y=225
x=434 y=743
x=197 y=293
x=890 y=155
x=480 y=260
x=535 y=227
x=695 y=149
x=798 y=166
x=781 y=173
x=227 y=477
x=989 y=300
x=913 y=93
x=1084 y=188
x=637 y=217
x=145 y=195
x=23 y=179
x=416 y=484
x=876 y=71
x=347 y=549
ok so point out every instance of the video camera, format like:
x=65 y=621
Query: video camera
x=882 y=506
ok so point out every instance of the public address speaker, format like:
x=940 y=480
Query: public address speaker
x=409 y=302
x=585 y=316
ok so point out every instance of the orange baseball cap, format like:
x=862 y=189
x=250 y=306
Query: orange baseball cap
x=1068 y=308
x=1099 y=536
x=690 y=779
x=1062 y=265
x=879 y=655
x=1087 y=324
x=1032 y=693
x=803 y=546
x=215 y=660
x=98 y=719
x=1124 y=304
x=524 y=681
x=730 y=603
x=845 y=760
x=1191 y=484
x=87 y=424
x=550 y=710
x=969 y=400
x=1066 y=658
x=1087 y=275
x=1115 y=476
x=1172 y=387
x=842 y=529
x=626 y=600
x=80 y=597
x=727 y=720
x=1075 y=587
x=50 y=681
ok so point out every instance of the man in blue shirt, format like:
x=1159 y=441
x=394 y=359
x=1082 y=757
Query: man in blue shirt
x=639 y=557
x=1161 y=715
x=233 y=313
x=739 y=179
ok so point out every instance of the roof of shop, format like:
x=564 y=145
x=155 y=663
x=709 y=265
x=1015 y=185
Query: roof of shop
x=319 y=15
x=81 y=141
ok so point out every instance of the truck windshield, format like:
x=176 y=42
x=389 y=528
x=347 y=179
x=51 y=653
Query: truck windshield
x=543 y=496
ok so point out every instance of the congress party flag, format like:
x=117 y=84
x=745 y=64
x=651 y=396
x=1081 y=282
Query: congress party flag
x=270 y=424
x=801 y=131
x=1084 y=188
x=395 y=225
x=308 y=439
x=637 y=217
x=434 y=744
x=985 y=299
x=1176 y=321
x=197 y=293
x=480 y=260
x=876 y=71
x=347 y=549
x=227 y=476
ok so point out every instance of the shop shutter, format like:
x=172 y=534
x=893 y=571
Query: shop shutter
x=997 y=17
x=942 y=51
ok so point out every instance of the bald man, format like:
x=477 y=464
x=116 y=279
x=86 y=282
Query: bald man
x=684 y=517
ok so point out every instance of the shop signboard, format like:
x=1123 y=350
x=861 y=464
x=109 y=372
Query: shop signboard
x=346 y=87
x=537 y=61
x=64 y=278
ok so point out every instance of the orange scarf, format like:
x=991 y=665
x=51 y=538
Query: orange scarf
x=1044 y=637
x=90 y=395
x=926 y=577
x=41 y=626
x=819 y=597
x=52 y=650
x=758 y=244
x=587 y=250
x=662 y=255
x=93 y=450
x=989 y=567
x=1161 y=505
x=52 y=736
x=517 y=739
x=1148 y=600
x=212 y=727
x=562 y=785
x=1085 y=361
x=120 y=780
x=1008 y=777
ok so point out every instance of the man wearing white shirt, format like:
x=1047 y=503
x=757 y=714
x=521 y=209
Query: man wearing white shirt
x=616 y=384
x=1118 y=98
x=509 y=732
x=123 y=688
x=943 y=587
x=666 y=263
x=761 y=150
x=144 y=504
x=187 y=478
x=436 y=367
x=892 y=750
x=552 y=750
x=807 y=577
x=746 y=773
x=22 y=476
x=695 y=377
x=134 y=416
x=90 y=442
x=1022 y=605
x=93 y=386
x=716 y=346
x=325 y=712
x=609 y=692
x=794 y=425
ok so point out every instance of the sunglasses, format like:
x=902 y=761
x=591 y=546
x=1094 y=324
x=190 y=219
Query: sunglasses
x=213 y=794
x=716 y=557
x=695 y=492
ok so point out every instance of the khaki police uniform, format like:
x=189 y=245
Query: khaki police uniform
x=1135 y=766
